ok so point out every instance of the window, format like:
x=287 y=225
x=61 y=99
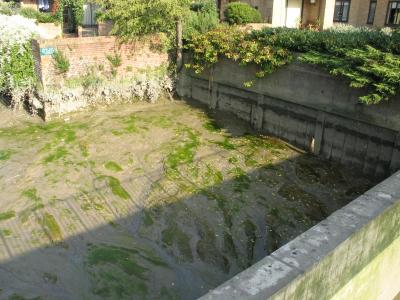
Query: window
x=393 y=14
x=342 y=9
x=371 y=13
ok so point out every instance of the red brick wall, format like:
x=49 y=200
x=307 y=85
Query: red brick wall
x=91 y=52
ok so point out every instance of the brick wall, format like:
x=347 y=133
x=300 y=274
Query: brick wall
x=91 y=53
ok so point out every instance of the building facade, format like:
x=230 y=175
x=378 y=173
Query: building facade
x=326 y=13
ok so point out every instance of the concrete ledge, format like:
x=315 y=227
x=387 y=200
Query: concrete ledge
x=326 y=261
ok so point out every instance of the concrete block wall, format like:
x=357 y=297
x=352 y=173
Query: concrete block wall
x=88 y=52
x=308 y=108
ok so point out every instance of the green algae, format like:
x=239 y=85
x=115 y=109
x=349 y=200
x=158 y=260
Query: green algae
x=173 y=235
x=259 y=141
x=118 y=272
x=168 y=294
x=212 y=126
x=113 y=166
x=58 y=154
x=147 y=219
x=51 y=227
x=32 y=196
x=92 y=205
x=241 y=181
x=5 y=154
x=26 y=213
x=7 y=215
x=213 y=176
x=116 y=188
x=114 y=285
x=207 y=250
x=229 y=245
x=157 y=121
x=130 y=124
x=6 y=232
x=121 y=257
x=185 y=151
x=225 y=144
x=222 y=203
x=84 y=148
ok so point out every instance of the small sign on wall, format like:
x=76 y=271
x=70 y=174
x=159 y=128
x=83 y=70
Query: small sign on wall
x=47 y=51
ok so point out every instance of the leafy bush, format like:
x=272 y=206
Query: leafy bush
x=331 y=40
x=371 y=68
x=203 y=16
x=8 y=8
x=138 y=18
x=40 y=17
x=115 y=60
x=17 y=74
x=368 y=58
x=241 y=13
x=61 y=62
x=234 y=44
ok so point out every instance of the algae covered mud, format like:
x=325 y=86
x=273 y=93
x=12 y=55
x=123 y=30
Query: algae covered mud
x=150 y=202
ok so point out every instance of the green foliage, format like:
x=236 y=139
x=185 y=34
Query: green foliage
x=241 y=13
x=61 y=62
x=76 y=7
x=331 y=40
x=40 y=17
x=12 y=8
x=17 y=68
x=367 y=58
x=115 y=60
x=7 y=215
x=139 y=18
x=8 y=8
x=202 y=17
x=234 y=44
x=378 y=71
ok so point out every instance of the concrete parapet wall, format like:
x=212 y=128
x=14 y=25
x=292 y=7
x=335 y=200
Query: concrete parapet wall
x=308 y=108
x=353 y=254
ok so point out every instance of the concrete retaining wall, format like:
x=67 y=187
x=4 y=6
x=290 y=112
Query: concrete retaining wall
x=353 y=254
x=308 y=108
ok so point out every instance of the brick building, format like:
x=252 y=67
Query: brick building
x=291 y=13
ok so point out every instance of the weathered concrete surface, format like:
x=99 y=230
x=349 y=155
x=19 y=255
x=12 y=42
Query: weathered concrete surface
x=308 y=108
x=353 y=254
